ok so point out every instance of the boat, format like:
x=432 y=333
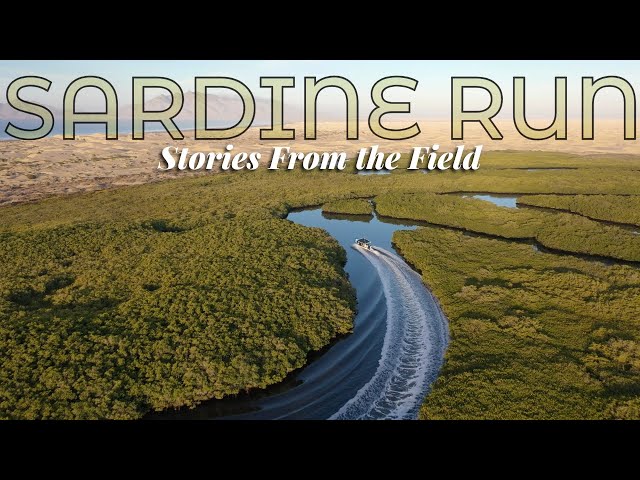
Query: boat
x=364 y=243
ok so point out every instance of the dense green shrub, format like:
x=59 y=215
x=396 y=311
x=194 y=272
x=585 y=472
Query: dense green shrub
x=556 y=230
x=350 y=207
x=533 y=335
x=613 y=208
x=117 y=302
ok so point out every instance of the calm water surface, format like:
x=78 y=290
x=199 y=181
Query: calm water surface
x=345 y=371
x=508 y=201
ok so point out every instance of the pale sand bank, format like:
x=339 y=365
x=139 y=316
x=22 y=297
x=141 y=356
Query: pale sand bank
x=52 y=166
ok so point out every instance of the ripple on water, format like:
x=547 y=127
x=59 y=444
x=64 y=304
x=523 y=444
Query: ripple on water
x=388 y=355
x=413 y=348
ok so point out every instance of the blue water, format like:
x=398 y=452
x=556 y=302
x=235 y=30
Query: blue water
x=124 y=127
x=374 y=172
x=507 y=201
x=330 y=381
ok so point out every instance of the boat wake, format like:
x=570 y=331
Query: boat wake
x=413 y=348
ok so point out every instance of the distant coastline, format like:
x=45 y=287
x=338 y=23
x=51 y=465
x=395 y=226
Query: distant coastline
x=124 y=128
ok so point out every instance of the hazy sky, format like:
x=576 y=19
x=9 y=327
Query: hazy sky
x=431 y=99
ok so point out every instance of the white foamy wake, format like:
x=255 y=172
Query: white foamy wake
x=413 y=347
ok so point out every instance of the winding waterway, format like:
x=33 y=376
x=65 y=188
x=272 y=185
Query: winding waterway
x=385 y=368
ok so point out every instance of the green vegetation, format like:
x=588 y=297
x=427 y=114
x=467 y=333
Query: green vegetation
x=109 y=321
x=612 y=208
x=536 y=163
x=509 y=159
x=560 y=231
x=119 y=302
x=356 y=206
x=533 y=335
x=122 y=301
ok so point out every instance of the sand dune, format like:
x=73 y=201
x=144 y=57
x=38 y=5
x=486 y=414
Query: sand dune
x=52 y=166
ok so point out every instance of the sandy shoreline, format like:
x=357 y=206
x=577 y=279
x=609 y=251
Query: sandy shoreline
x=30 y=170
